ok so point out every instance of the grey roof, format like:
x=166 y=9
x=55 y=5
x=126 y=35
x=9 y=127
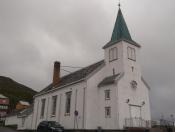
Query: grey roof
x=2 y=96
x=122 y=39
x=14 y=113
x=26 y=111
x=108 y=80
x=75 y=76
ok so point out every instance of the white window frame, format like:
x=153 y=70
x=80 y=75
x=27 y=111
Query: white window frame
x=43 y=103
x=107 y=94
x=113 y=54
x=54 y=105
x=131 y=53
x=68 y=103
x=108 y=112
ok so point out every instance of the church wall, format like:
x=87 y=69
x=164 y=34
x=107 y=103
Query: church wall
x=112 y=121
x=137 y=95
x=92 y=100
x=68 y=121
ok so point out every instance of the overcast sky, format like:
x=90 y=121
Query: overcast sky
x=35 y=33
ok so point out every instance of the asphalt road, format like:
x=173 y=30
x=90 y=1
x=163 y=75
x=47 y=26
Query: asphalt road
x=5 y=129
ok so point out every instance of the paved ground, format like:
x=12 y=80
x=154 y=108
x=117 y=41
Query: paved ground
x=5 y=129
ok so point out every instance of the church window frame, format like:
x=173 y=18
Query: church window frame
x=68 y=103
x=107 y=94
x=43 y=103
x=131 y=53
x=54 y=105
x=113 y=54
x=108 y=112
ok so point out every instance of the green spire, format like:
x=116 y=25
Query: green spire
x=120 y=30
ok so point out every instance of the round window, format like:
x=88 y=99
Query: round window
x=133 y=84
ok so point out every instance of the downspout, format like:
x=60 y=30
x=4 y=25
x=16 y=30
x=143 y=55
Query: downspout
x=75 y=118
x=117 y=108
x=84 y=100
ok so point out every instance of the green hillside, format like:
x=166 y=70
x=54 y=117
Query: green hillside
x=15 y=91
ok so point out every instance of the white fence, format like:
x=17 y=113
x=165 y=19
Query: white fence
x=137 y=122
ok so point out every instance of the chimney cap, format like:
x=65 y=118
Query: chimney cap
x=57 y=62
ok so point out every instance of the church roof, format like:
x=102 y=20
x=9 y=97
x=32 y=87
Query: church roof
x=120 y=32
x=75 y=76
x=24 y=103
x=26 y=112
x=108 y=80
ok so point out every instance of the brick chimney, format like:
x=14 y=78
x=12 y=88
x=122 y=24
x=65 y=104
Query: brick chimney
x=56 y=73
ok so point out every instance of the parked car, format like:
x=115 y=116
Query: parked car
x=49 y=126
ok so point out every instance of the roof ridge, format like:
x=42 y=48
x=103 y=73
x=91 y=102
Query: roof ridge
x=75 y=76
x=82 y=68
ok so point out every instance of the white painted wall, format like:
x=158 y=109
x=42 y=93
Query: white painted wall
x=76 y=104
x=136 y=96
x=112 y=122
x=11 y=120
x=27 y=122
x=117 y=64
x=92 y=101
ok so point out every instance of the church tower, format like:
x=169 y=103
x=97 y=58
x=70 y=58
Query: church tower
x=121 y=53
x=132 y=92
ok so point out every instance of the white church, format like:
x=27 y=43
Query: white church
x=109 y=94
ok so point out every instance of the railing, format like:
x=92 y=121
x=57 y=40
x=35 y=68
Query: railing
x=163 y=123
x=137 y=122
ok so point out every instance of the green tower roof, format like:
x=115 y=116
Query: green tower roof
x=120 y=31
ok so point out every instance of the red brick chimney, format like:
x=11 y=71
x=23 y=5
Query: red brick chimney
x=56 y=73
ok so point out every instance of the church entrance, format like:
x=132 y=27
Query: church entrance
x=135 y=112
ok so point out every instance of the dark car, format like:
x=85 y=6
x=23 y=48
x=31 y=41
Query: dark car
x=49 y=126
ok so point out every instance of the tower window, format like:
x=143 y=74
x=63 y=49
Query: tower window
x=68 y=103
x=131 y=54
x=113 y=54
x=108 y=112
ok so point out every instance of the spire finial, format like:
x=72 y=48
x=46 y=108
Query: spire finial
x=119 y=4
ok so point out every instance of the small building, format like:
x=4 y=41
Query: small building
x=25 y=119
x=22 y=105
x=4 y=104
x=12 y=118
